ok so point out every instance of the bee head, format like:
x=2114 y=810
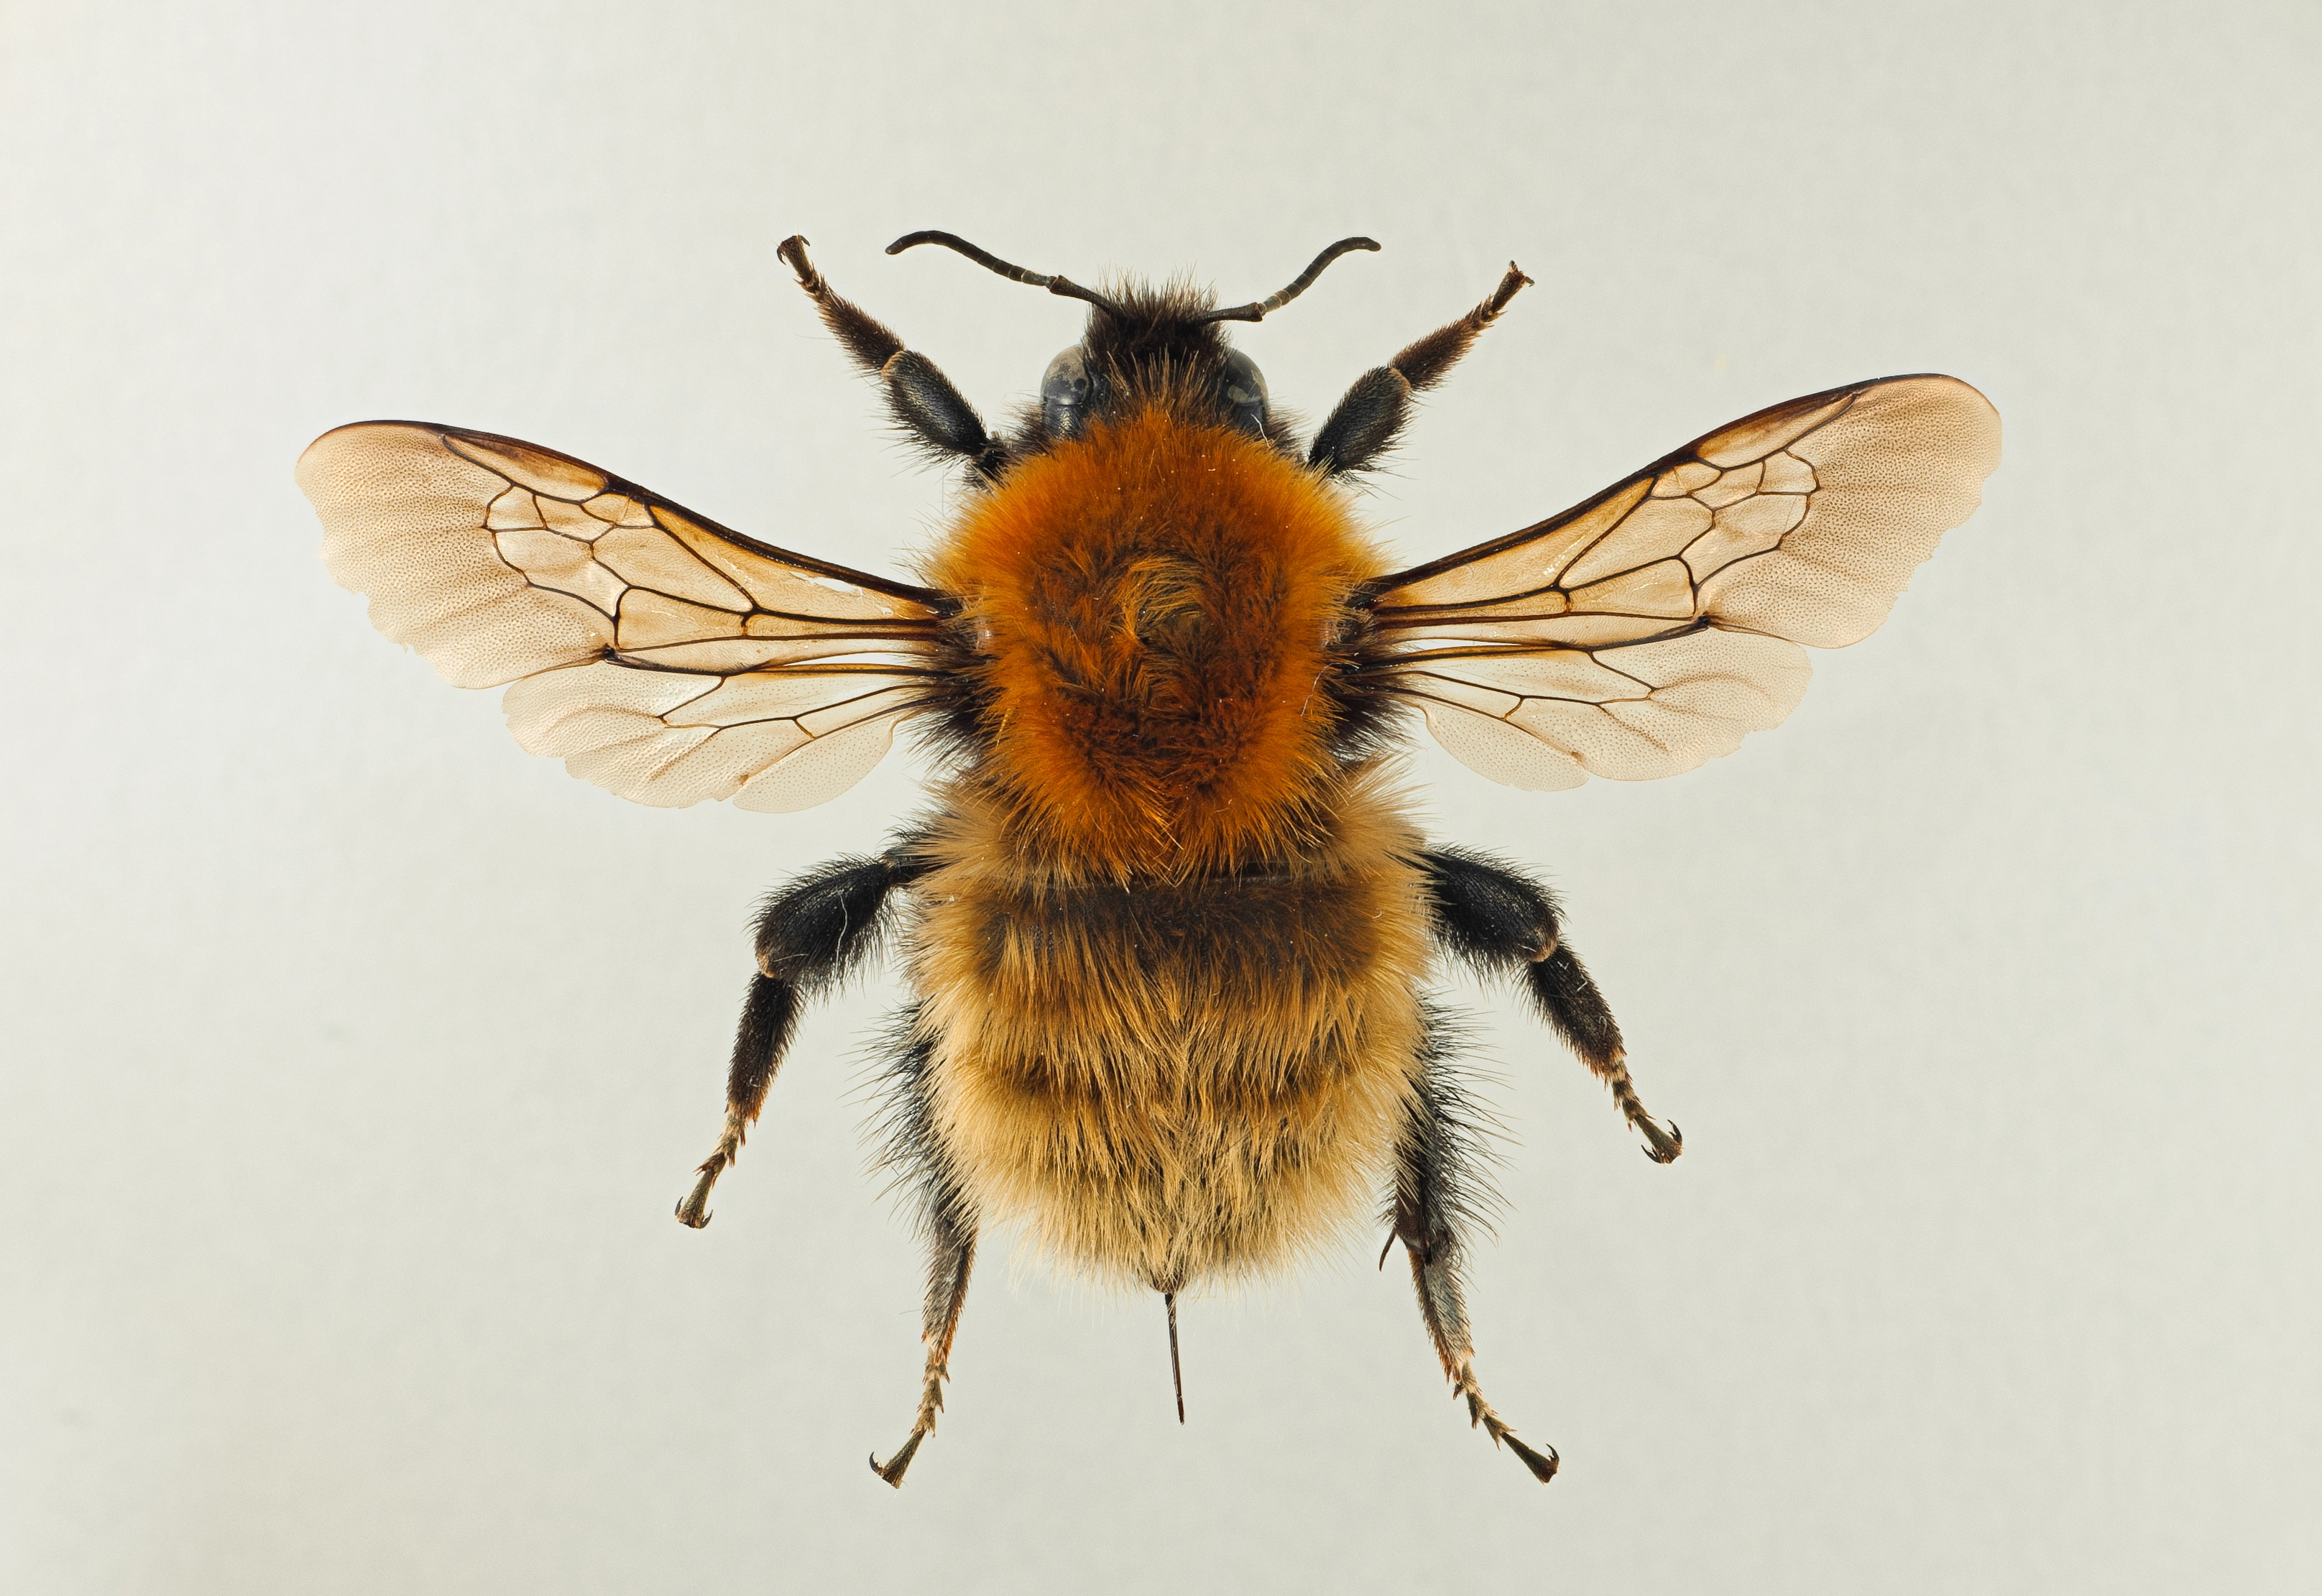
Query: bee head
x=1122 y=366
x=1149 y=345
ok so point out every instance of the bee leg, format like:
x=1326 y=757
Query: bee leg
x=919 y=397
x=1501 y=921
x=1569 y=999
x=769 y=1016
x=1435 y=1195
x=1364 y=425
x=810 y=935
x=915 y=1153
x=951 y=1254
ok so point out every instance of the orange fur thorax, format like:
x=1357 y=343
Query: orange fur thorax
x=1156 y=602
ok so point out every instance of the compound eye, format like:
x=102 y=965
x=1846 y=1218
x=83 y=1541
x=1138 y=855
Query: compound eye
x=1065 y=391
x=1243 y=389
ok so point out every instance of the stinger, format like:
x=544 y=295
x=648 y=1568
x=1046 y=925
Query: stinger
x=1176 y=1379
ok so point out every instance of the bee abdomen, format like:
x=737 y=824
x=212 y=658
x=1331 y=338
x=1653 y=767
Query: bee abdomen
x=1167 y=1081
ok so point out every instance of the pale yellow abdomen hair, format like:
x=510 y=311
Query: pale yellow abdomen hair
x=1170 y=1085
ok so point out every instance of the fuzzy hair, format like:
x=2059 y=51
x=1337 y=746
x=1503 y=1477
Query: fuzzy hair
x=1172 y=1083
x=1156 y=607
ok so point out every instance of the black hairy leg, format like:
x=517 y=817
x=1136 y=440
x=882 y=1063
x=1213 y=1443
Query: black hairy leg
x=1438 y=1199
x=1364 y=424
x=951 y=1254
x=1501 y=921
x=810 y=936
x=947 y=1223
x=933 y=413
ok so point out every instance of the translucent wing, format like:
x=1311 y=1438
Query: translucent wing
x=1655 y=625
x=658 y=654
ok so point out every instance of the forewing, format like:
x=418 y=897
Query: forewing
x=1655 y=625
x=661 y=655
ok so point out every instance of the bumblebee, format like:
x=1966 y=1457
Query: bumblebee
x=1168 y=928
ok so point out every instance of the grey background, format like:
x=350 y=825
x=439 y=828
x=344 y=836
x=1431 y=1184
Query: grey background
x=354 y=1059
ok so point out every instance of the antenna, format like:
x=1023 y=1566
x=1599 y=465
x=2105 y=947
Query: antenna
x=1256 y=311
x=992 y=262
